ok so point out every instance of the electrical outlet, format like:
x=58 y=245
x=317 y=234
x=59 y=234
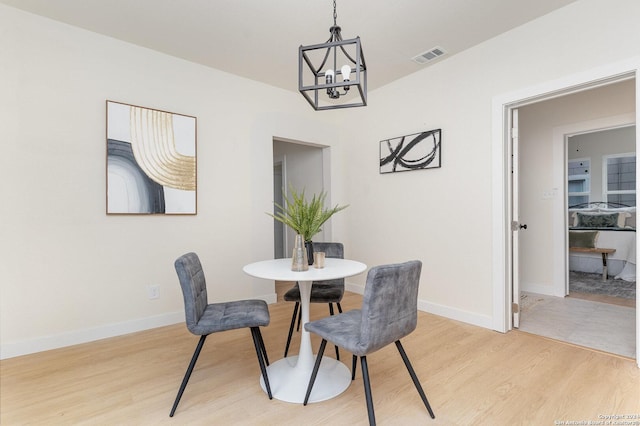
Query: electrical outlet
x=153 y=291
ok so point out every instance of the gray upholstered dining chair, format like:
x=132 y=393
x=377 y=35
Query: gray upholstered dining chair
x=203 y=318
x=330 y=291
x=389 y=312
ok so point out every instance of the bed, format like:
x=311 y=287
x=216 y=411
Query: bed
x=604 y=225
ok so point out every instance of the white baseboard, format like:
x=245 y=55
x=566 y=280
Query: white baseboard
x=56 y=341
x=271 y=298
x=25 y=347
x=484 y=321
x=543 y=289
x=354 y=288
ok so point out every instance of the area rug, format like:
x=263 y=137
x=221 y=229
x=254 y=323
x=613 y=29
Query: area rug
x=582 y=282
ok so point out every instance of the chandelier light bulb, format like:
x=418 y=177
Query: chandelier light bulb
x=346 y=72
x=329 y=75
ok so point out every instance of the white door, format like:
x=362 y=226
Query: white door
x=515 y=224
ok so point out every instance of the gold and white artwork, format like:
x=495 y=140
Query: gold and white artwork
x=151 y=161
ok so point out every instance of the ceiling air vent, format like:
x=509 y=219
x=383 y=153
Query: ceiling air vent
x=429 y=55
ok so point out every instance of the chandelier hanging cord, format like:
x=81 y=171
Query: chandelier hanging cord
x=336 y=35
x=335 y=14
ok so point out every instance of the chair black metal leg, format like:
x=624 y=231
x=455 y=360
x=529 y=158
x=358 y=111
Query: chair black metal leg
x=331 y=313
x=367 y=390
x=263 y=347
x=299 y=316
x=293 y=321
x=339 y=307
x=354 y=364
x=314 y=373
x=416 y=382
x=260 y=351
x=187 y=375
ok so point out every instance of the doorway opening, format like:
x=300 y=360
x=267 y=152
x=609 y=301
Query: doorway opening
x=595 y=312
x=601 y=181
x=303 y=166
x=506 y=284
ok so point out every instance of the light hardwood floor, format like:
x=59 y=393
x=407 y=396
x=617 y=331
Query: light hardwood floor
x=472 y=376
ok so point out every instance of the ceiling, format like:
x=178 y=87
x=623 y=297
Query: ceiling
x=259 y=39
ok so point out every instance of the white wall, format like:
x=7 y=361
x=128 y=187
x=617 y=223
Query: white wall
x=597 y=145
x=70 y=273
x=444 y=216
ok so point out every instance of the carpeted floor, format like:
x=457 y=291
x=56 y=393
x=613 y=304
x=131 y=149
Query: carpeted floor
x=583 y=282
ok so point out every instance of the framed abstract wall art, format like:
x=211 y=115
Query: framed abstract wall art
x=412 y=152
x=151 y=161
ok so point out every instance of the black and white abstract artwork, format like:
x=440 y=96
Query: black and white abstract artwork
x=411 y=152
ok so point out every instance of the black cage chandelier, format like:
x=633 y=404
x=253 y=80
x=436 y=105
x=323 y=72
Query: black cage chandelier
x=321 y=85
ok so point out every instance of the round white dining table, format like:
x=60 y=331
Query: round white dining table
x=289 y=377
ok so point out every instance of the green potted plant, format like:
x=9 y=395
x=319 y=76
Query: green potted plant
x=305 y=217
